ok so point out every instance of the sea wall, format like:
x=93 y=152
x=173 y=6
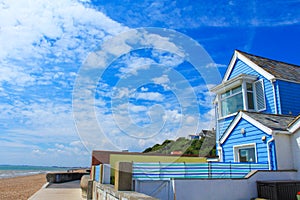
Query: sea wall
x=61 y=177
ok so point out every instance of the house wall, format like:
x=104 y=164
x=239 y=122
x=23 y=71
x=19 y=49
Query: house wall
x=252 y=135
x=295 y=140
x=284 y=153
x=242 y=68
x=289 y=97
x=223 y=125
x=226 y=189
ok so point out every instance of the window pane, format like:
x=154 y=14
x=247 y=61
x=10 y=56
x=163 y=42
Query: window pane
x=232 y=104
x=237 y=89
x=250 y=100
x=249 y=86
x=226 y=94
x=247 y=155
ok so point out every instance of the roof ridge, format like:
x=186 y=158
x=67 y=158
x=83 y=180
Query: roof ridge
x=278 y=61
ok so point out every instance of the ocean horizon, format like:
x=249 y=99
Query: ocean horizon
x=10 y=171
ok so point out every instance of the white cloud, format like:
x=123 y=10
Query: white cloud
x=173 y=116
x=161 y=80
x=134 y=64
x=135 y=108
x=150 y=96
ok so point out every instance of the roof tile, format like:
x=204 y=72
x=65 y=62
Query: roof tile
x=280 y=70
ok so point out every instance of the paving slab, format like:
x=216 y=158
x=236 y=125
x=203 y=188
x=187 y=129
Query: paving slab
x=59 y=191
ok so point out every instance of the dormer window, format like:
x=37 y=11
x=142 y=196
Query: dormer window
x=243 y=92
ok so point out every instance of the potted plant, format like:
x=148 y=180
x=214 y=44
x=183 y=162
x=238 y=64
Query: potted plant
x=298 y=195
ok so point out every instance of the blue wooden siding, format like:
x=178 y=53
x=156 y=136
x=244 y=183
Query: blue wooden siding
x=242 y=68
x=223 y=125
x=289 y=96
x=252 y=135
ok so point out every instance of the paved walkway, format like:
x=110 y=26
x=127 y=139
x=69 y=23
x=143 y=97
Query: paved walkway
x=59 y=191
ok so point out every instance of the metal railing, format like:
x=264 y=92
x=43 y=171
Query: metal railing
x=210 y=170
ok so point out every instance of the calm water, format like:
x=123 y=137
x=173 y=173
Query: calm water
x=7 y=171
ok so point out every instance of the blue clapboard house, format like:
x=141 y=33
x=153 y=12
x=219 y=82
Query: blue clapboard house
x=256 y=103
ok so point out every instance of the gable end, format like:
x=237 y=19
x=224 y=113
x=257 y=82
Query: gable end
x=238 y=56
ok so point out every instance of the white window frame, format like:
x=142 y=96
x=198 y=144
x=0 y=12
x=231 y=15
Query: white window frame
x=230 y=96
x=245 y=98
x=236 y=149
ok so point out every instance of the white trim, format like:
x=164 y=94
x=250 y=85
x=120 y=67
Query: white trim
x=232 y=83
x=230 y=66
x=231 y=127
x=245 y=96
x=268 y=149
x=295 y=125
x=247 y=118
x=241 y=146
x=220 y=153
x=274 y=96
x=251 y=64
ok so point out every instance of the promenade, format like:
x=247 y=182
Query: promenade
x=59 y=191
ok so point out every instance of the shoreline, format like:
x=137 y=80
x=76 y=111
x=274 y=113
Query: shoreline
x=21 y=187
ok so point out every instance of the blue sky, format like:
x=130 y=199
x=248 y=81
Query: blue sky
x=61 y=98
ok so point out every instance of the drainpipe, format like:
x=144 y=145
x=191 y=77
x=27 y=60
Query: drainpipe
x=220 y=152
x=274 y=95
x=269 y=154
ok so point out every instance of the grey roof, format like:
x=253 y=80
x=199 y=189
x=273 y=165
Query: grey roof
x=274 y=122
x=280 y=70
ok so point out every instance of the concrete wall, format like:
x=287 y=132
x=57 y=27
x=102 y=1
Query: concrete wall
x=61 y=177
x=226 y=189
x=162 y=189
x=296 y=151
x=107 y=192
x=284 y=153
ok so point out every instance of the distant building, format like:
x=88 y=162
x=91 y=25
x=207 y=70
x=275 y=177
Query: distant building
x=203 y=133
x=176 y=153
x=194 y=137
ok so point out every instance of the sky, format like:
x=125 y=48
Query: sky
x=80 y=75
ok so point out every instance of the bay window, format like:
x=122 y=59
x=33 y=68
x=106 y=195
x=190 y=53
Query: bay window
x=244 y=92
x=231 y=101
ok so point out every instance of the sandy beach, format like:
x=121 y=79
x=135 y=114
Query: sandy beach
x=21 y=188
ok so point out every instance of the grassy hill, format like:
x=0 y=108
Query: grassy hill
x=200 y=147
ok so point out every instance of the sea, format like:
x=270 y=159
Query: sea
x=9 y=171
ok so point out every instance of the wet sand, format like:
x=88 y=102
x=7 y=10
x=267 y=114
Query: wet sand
x=22 y=187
